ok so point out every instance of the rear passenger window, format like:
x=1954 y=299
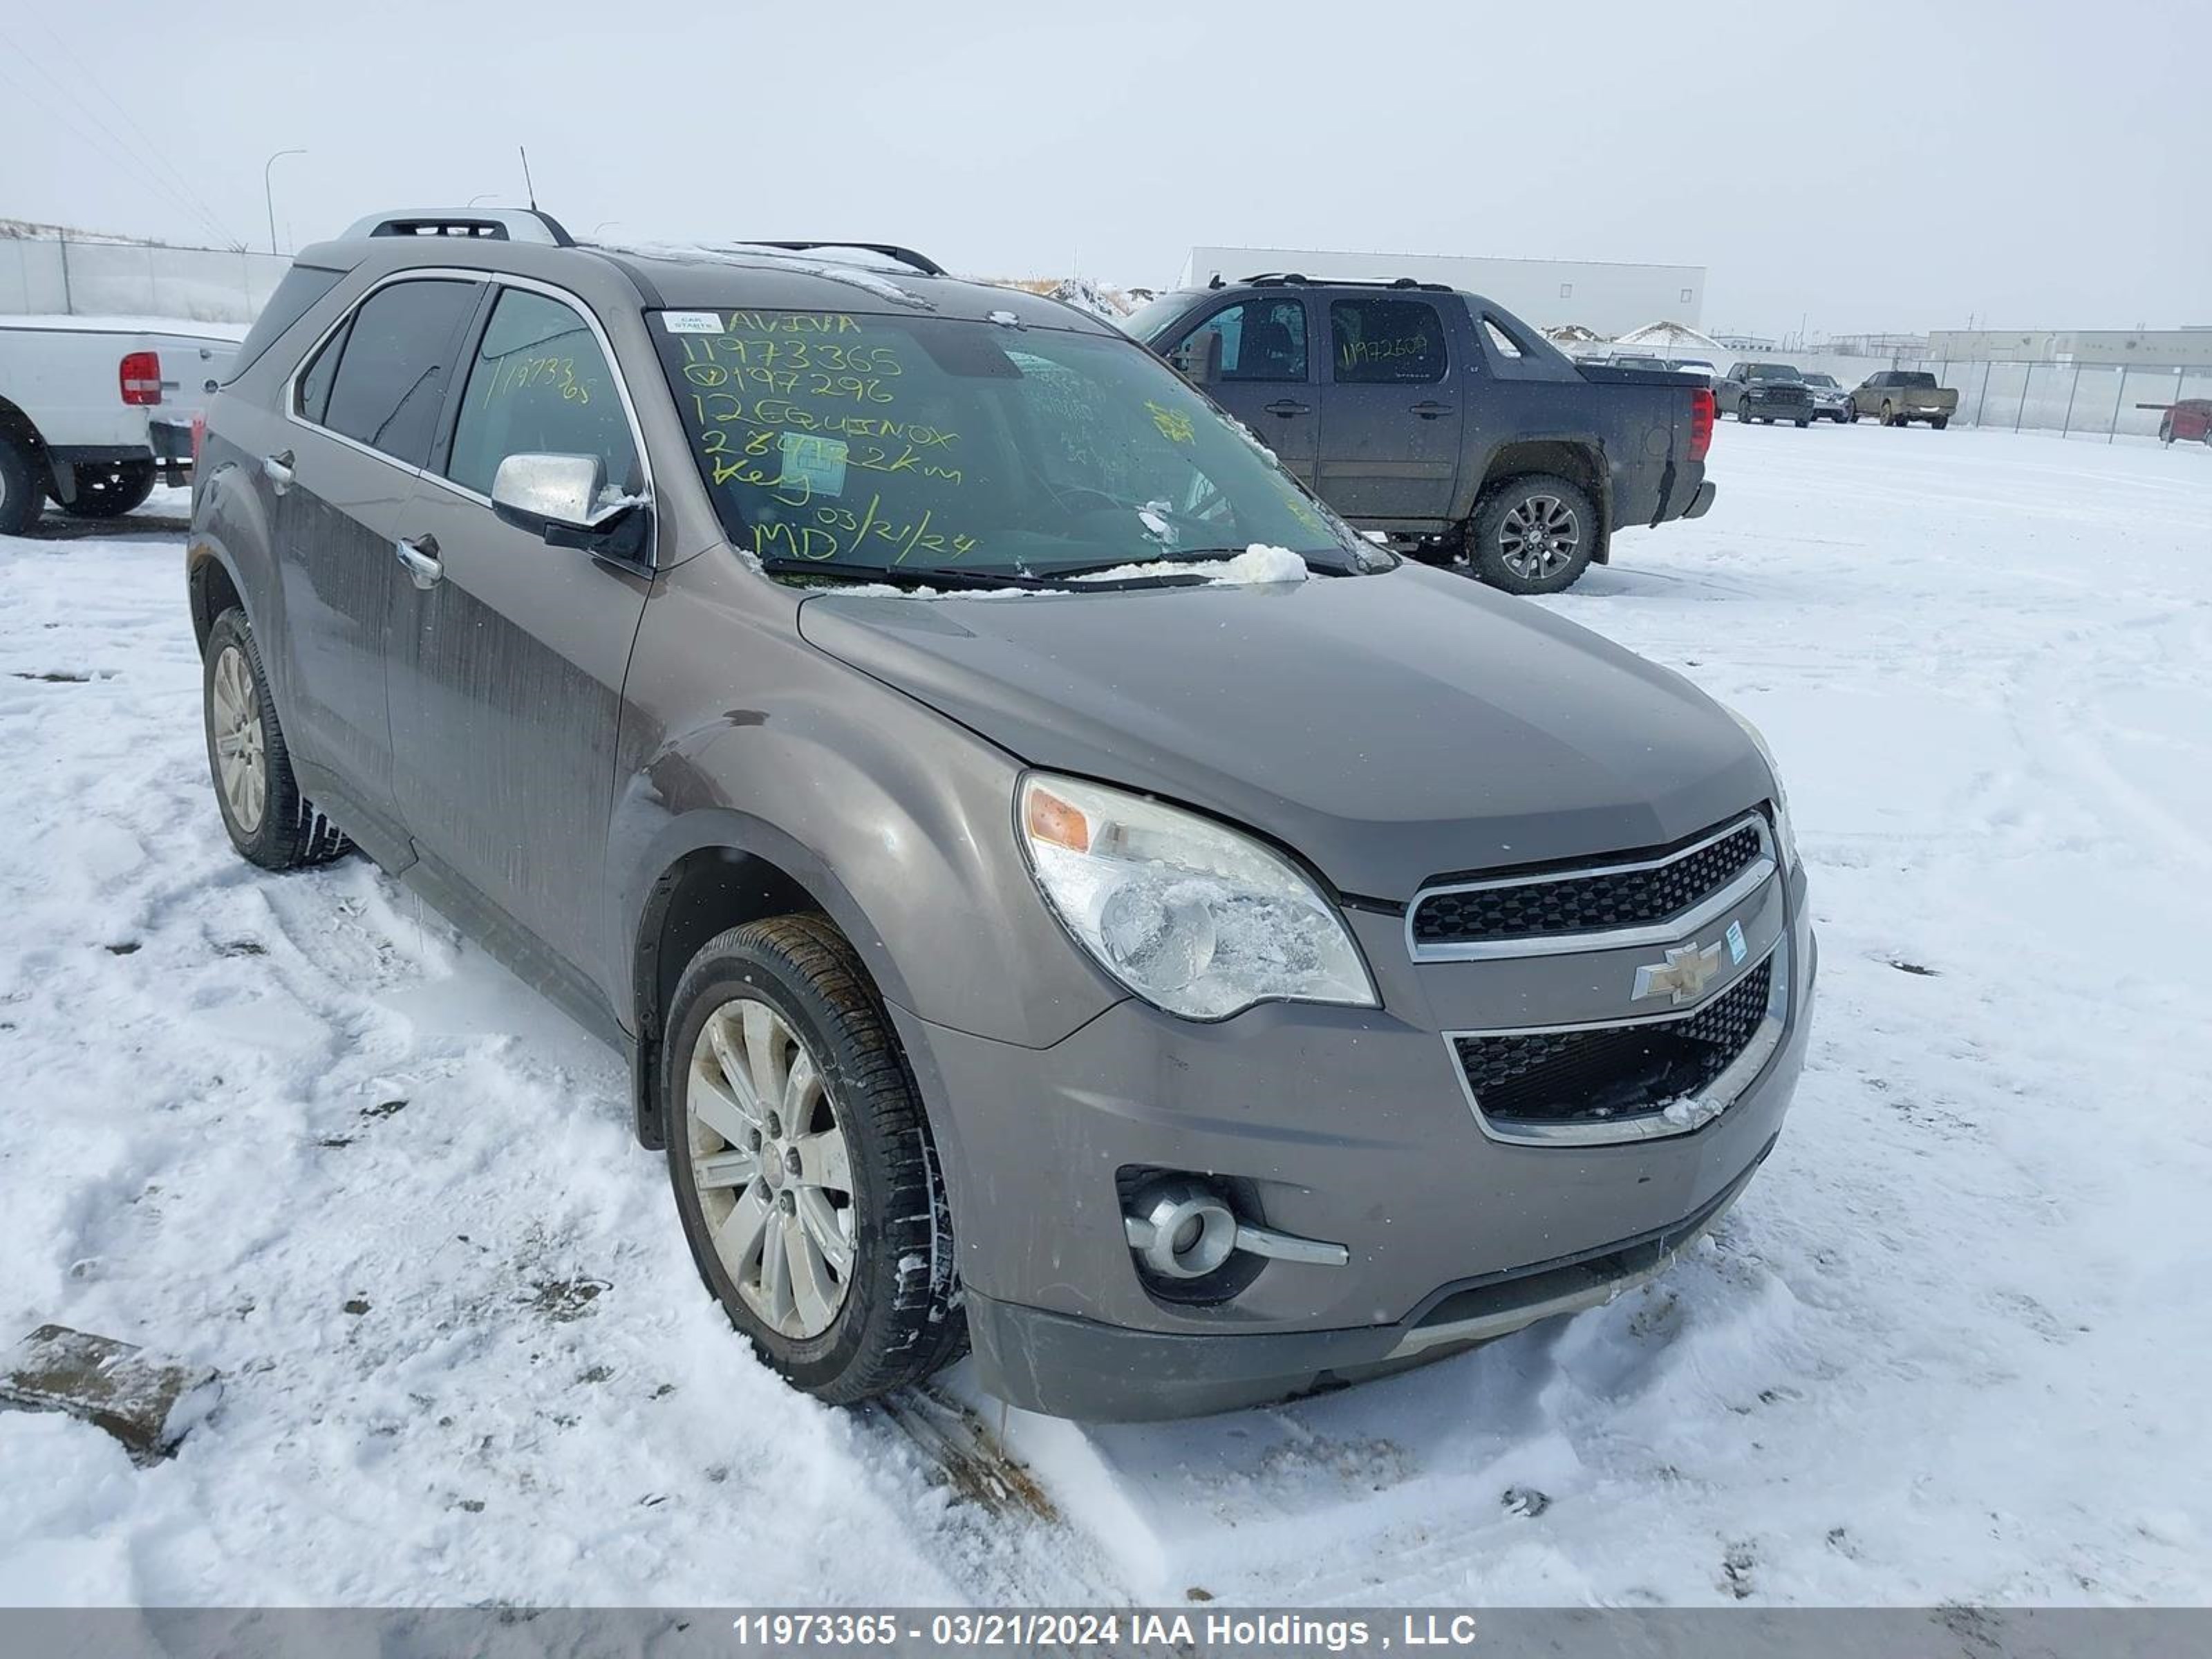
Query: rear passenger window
x=540 y=385
x=1383 y=341
x=397 y=356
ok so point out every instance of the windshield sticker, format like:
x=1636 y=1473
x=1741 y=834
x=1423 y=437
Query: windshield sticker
x=691 y=322
x=813 y=463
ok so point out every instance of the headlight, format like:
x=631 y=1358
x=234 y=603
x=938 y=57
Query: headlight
x=1786 y=835
x=1192 y=916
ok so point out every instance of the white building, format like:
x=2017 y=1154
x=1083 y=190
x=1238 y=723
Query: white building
x=1609 y=298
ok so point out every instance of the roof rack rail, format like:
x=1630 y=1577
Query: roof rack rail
x=905 y=256
x=1299 y=278
x=493 y=224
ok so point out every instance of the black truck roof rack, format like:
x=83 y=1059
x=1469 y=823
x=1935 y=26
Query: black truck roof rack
x=905 y=256
x=1299 y=278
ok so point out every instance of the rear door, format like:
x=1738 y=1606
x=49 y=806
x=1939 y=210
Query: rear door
x=507 y=666
x=1266 y=378
x=363 y=408
x=1392 y=407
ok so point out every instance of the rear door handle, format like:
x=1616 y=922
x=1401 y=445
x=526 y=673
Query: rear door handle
x=1287 y=407
x=277 y=469
x=421 y=559
x=1431 y=410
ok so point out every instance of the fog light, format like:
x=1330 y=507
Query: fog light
x=1181 y=1228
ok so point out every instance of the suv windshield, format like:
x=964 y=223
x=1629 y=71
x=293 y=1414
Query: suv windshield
x=915 y=444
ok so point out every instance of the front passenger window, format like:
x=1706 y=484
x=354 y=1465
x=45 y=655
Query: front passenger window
x=539 y=385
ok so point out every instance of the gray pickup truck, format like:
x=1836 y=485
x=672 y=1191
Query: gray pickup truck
x=1442 y=421
x=1898 y=397
x=1766 y=391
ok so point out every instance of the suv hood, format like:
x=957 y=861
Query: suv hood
x=1390 y=728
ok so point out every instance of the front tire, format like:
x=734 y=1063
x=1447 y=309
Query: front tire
x=269 y=821
x=111 y=490
x=1888 y=415
x=803 y=1166
x=1534 y=534
x=1743 y=414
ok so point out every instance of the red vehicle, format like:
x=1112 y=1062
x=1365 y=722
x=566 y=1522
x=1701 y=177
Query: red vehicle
x=2190 y=420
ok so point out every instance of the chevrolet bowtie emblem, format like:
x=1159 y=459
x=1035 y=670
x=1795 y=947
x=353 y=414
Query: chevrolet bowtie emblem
x=1686 y=971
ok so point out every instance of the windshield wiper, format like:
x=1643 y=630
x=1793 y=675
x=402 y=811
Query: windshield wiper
x=921 y=575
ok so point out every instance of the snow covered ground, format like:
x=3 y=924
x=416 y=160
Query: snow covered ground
x=1950 y=1346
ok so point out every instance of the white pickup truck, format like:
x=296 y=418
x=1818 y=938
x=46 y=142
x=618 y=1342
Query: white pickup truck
x=94 y=409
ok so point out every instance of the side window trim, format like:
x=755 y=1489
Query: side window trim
x=441 y=445
x=437 y=273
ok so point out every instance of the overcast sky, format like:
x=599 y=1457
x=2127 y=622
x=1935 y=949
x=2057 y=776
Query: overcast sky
x=1868 y=166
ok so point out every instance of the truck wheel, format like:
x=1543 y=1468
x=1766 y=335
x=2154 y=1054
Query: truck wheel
x=803 y=1166
x=110 y=490
x=2165 y=430
x=269 y=822
x=1534 y=534
x=22 y=495
x=1940 y=422
x=1743 y=414
x=1888 y=415
x=1803 y=424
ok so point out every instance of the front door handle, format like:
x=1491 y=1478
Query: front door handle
x=421 y=559
x=1432 y=410
x=1287 y=407
x=277 y=469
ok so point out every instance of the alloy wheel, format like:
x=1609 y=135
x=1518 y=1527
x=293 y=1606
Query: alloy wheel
x=1538 y=537
x=240 y=746
x=770 y=1164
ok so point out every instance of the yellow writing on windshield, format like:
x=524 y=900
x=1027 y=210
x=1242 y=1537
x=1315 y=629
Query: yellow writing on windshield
x=1174 y=424
x=840 y=530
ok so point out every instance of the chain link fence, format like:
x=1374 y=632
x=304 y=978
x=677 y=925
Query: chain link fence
x=2102 y=400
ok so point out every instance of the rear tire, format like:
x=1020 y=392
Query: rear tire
x=1803 y=424
x=109 y=491
x=269 y=821
x=1888 y=415
x=22 y=492
x=1940 y=422
x=769 y=1206
x=1534 y=534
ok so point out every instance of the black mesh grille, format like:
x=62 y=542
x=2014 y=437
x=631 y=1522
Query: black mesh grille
x=1575 y=904
x=1611 y=1072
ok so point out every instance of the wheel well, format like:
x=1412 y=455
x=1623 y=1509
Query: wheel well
x=14 y=423
x=1576 y=463
x=706 y=892
x=212 y=592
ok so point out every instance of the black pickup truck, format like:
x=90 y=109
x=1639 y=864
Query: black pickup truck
x=1443 y=420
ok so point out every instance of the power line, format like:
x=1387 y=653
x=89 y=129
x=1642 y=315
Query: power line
x=154 y=151
x=111 y=145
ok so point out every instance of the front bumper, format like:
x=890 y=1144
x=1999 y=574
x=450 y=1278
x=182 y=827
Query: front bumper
x=1349 y=1126
x=1068 y=1367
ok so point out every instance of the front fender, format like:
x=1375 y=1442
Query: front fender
x=898 y=822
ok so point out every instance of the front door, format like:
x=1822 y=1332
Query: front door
x=1265 y=375
x=1392 y=410
x=508 y=653
x=362 y=412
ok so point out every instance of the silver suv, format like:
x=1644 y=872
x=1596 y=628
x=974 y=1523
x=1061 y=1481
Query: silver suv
x=1059 y=890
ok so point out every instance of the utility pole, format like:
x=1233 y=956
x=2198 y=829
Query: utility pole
x=269 y=193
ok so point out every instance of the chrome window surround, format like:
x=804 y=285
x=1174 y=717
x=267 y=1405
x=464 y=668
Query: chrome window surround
x=1723 y=1092
x=498 y=279
x=1666 y=931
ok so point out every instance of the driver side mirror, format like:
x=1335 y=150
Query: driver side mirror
x=1198 y=359
x=560 y=498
